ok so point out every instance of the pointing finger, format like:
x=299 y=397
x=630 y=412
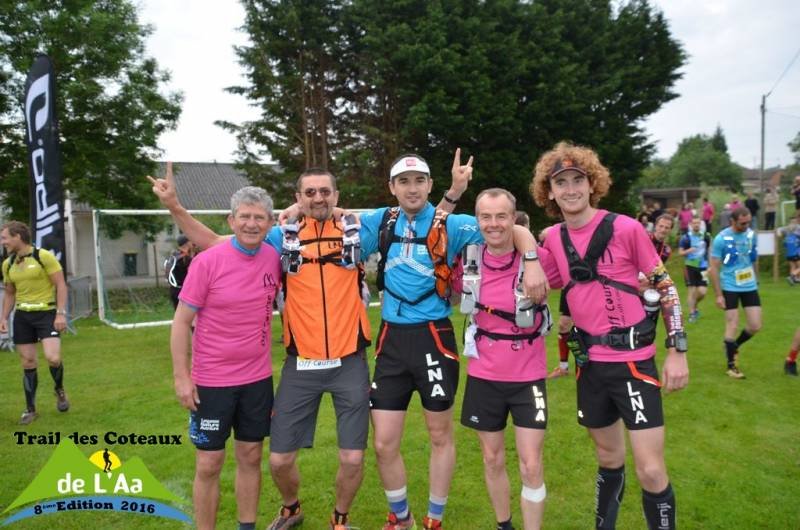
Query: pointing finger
x=457 y=158
x=469 y=162
x=168 y=175
x=151 y=179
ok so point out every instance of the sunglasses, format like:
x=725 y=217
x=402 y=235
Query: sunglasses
x=310 y=192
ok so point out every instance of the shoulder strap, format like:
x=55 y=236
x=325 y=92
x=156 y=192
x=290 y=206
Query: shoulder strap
x=385 y=236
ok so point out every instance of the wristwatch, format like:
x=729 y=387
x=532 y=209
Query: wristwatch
x=678 y=341
x=531 y=255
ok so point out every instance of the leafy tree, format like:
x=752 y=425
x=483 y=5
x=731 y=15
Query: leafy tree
x=109 y=106
x=697 y=161
x=503 y=79
x=718 y=141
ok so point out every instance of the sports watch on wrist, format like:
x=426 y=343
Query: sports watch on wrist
x=678 y=341
x=531 y=255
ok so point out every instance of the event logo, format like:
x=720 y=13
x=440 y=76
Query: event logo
x=71 y=482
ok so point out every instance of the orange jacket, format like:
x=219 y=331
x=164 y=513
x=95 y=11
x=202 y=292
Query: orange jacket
x=324 y=316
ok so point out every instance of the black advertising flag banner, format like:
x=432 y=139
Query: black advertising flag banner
x=46 y=196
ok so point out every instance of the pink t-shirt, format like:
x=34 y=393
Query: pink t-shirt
x=503 y=360
x=233 y=293
x=597 y=309
x=685 y=217
x=708 y=211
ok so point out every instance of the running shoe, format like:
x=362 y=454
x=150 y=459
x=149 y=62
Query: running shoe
x=431 y=524
x=693 y=316
x=790 y=367
x=558 y=372
x=393 y=523
x=734 y=372
x=339 y=526
x=27 y=417
x=790 y=280
x=62 y=403
x=286 y=519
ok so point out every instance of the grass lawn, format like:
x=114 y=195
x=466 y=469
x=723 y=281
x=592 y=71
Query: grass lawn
x=733 y=447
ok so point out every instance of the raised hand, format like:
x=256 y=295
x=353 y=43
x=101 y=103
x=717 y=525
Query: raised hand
x=165 y=188
x=461 y=174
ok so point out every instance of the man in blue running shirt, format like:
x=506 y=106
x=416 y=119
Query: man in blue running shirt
x=733 y=271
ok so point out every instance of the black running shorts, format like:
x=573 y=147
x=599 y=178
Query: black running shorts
x=487 y=404
x=748 y=298
x=628 y=390
x=421 y=357
x=32 y=326
x=694 y=277
x=244 y=408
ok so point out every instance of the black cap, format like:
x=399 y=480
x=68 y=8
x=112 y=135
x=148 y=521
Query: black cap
x=182 y=240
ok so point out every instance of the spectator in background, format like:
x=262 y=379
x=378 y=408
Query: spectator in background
x=796 y=192
x=791 y=242
x=725 y=216
x=644 y=220
x=656 y=213
x=176 y=267
x=735 y=203
x=752 y=204
x=708 y=214
x=685 y=217
x=771 y=200
x=660 y=236
x=522 y=219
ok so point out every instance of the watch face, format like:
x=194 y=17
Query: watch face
x=531 y=255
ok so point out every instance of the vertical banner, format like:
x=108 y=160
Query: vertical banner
x=46 y=196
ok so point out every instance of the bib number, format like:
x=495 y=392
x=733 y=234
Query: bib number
x=744 y=276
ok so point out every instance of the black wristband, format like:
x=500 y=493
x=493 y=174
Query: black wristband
x=448 y=199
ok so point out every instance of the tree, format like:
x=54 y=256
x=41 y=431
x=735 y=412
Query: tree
x=109 y=106
x=718 y=141
x=502 y=79
x=697 y=161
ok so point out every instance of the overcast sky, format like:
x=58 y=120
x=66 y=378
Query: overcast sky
x=738 y=50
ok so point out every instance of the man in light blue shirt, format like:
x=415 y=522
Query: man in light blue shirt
x=733 y=271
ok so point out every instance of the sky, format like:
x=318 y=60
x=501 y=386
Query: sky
x=738 y=52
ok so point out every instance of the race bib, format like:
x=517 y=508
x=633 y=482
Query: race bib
x=704 y=275
x=317 y=364
x=744 y=276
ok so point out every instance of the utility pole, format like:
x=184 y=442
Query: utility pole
x=761 y=172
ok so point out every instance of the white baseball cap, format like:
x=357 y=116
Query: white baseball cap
x=409 y=163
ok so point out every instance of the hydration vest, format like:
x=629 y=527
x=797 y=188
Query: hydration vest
x=584 y=270
x=436 y=243
x=544 y=325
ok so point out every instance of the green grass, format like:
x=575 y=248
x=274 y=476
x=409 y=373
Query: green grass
x=732 y=446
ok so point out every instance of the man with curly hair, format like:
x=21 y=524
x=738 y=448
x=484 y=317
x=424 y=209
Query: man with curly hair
x=596 y=257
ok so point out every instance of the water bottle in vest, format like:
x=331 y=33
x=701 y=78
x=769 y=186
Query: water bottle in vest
x=471 y=280
x=525 y=308
x=290 y=249
x=351 y=242
x=651 y=303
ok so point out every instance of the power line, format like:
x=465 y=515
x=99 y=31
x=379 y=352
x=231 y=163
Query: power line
x=784 y=72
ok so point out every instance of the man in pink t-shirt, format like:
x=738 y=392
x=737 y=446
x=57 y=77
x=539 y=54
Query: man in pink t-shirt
x=230 y=288
x=613 y=339
x=507 y=365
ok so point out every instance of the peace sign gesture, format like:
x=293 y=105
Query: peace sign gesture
x=461 y=174
x=165 y=188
